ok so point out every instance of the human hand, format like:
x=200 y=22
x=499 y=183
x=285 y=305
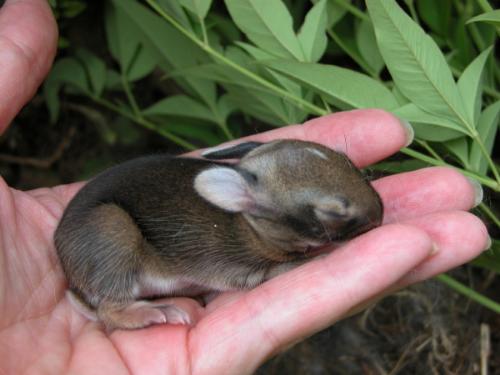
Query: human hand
x=41 y=333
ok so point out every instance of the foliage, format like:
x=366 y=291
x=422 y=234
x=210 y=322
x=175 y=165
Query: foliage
x=277 y=62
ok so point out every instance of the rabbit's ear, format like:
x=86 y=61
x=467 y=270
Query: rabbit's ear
x=225 y=188
x=231 y=152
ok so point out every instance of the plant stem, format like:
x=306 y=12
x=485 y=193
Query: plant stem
x=486 y=181
x=486 y=154
x=130 y=96
x=413 y=12
x=490 y=214
x=353 y=10
x=469 y=293
x=352 y=54
x=147 y=124
x=476 y=36
x=203 y=31
x=486 y=7
x=277 y=90
x=430 y=150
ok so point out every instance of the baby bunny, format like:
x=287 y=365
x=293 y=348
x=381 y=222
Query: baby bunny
x=162 y=226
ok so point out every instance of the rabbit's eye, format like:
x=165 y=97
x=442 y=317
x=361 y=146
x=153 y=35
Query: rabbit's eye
x=250 y=177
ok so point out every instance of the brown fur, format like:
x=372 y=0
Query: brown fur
x=141 y=229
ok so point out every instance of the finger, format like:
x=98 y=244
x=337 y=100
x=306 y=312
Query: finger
x=427 y=190
x=303 y=301
x=28 y=40
x=365 y=135
x=458 y=238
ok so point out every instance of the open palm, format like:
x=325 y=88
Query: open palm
x=426 y=231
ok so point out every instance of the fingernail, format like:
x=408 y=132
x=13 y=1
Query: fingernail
x=410 y=133
x=434 y=249
x=478 y=191
x=488 y=244
x=214 y=149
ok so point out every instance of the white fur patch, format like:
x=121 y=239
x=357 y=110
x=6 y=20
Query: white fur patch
x=153 y=285
x=317 y=153
x=223 y=187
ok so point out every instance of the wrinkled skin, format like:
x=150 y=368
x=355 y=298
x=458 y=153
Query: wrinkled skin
x=40 y=333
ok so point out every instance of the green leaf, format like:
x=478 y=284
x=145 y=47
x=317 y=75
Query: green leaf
x=268 y=24
x=490 y=259
x=428 y=126
x=225 y=107
x=135 y=59
x=95 y=68
x=470 y=84
x=175 y=9
x=460 y=148
x=312 y=36
x=198 y=7
x=261 y=105
x=173 y=48
x=184 y=128
x=179 y=105
x=261 y=55
x=402 y=100
x=66 y=71
x=224 y=26
x=487 y=127
x=144 y=63
x=462 y=46
x=399 y=166
x=492 y=17
x=113 y=80
x=335 y=12
x=345 y=88
x=436 y=14
x=367 y=45
x=416 y=63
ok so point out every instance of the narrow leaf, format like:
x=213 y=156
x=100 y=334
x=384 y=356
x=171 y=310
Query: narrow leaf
x=460 y=148
x=367 y=45
x=179 y=105
x=173 y=48
x=436 y=14
x=470 y=84
x=335 y=12
x=175 y=9
x=487 y=127
x=184 y=128
x=261 y=55
x=428 y=126
x=198 y=7
x=347 y=88
x=135 y=59
x=268 y=24
x=416 y=63
x=96 y=70
x=263 y=106
x=312 y=34
x=65 y=71
x=492 y=17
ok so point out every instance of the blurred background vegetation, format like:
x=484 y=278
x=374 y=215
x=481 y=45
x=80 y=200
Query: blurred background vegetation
x=135 y=77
